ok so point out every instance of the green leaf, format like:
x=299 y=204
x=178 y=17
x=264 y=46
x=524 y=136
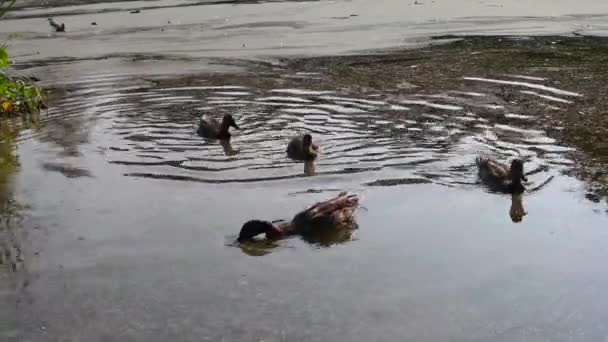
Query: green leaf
x=3 y=58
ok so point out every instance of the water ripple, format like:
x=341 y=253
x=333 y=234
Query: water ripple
x=150 y=131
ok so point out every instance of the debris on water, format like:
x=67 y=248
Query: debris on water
x=135 y=12
x=118 y=149
x=417 y=2
x=94 y=23
x=57 y=26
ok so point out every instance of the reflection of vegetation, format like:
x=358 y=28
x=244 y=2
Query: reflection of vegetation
x=10 y=255
x=18 y=97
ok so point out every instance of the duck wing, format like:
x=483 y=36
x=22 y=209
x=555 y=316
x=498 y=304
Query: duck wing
x=296 y=151
x=337 y=212
x=490 y=167
x=294 y=148
x=208 y=127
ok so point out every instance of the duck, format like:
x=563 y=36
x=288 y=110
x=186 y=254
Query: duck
x=335 y=214
x=301 y=148
x=501 y=177
x=56 y=26
x=213 y=129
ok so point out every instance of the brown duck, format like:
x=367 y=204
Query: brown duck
x=302 y=149
x=213 y=129
x=334 y=214
x=500 y=177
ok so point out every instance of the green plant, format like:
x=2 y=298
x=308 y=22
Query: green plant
x=18 y=96
x=15 y=95
x=5 y=5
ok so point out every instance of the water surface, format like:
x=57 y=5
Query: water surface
x=127 y=218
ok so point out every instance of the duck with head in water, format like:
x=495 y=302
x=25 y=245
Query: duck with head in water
x=334 y=214
x=213 y=129
x=500 y=177
x=302 y=149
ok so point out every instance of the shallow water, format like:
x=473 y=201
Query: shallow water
x=180 y=30
x=127 y=218
x=135 y=217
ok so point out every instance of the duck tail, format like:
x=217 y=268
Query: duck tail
x=340 y=202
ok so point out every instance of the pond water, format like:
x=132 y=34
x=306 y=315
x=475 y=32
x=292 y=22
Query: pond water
x=123 y=220
x=133 y=217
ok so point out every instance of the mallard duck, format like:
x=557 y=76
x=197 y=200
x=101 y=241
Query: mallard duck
x=334 y=214
x=56 y=26
x=301 y=148
x=500 y=177
x=213 y=129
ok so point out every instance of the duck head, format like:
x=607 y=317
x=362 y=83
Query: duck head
x=517 y=171
x=517 y=175
x=228 y=121
x=307 y=141
x=308 y=147
x=254 y=228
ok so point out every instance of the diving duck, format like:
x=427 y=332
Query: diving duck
x=213 y=129
x=301 y=148
x=334 y=214
x=500 y=177
x=56 y=26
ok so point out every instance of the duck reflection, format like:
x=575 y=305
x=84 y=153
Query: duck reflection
x=310 y=169
x=517 y=211
x=325 y=223
x=228 y=149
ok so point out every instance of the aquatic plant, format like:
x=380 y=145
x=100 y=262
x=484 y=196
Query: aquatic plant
x=5 y=5
x=17 y=96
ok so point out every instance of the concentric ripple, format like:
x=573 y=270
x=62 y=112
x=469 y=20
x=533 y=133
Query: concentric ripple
x=386 y=140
